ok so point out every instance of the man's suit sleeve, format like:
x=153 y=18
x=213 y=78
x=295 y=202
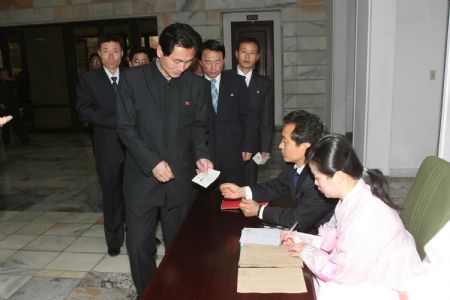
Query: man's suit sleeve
x=266 y=125
x=202 y=118
x=86 y=107
x=311 y=208
x=272 y=189
x=145 y=158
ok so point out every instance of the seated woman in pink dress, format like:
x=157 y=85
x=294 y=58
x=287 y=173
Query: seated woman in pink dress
x=365 y=240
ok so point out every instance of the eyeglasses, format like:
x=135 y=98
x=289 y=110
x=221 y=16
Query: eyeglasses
x=95 y=61
x=139 y=61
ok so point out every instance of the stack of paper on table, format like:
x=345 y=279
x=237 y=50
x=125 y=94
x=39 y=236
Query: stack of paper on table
x=263 y=236
x=267 y=256
x=265 y=267
x=271 y=280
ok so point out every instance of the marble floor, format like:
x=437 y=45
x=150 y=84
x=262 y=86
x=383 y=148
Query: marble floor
x=52 y=243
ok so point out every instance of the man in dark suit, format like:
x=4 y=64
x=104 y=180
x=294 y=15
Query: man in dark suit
x=260 y=90
x=233 y=125
x=96 y=104
x=162 y=115
x=301 y=129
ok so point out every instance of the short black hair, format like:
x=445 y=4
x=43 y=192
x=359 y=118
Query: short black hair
x=309 y=128
x=213 y=45
x=139 y=50
x=110 y=38
x=179 y=34
x=248 y=39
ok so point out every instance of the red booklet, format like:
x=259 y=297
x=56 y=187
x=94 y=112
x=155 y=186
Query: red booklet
x=233 y=204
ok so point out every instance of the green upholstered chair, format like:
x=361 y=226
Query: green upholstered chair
x=427 y=205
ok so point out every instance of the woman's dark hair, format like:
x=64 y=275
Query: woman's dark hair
x=333 y=153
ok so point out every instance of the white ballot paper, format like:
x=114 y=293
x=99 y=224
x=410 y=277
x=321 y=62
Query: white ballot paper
x=259 y=160
x=262 y=236
x=205 y=179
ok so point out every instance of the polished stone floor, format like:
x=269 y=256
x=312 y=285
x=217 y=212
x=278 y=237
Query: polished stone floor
x=51 y=235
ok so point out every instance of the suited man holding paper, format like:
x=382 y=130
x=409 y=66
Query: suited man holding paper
x=260 y=90
x=300 y=130
x=233 y=126
x=162 y=118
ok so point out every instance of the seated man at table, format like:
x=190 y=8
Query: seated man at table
x=300 y=130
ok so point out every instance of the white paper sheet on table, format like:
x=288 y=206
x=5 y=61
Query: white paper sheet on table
x=262 y=236
x=205 y=179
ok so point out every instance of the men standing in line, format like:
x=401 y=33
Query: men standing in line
x=233 y=125
x=300 y=130
x=162 y=118
x=96 y=104
x=260 y=90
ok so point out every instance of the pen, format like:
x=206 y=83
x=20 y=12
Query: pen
x=290 y=230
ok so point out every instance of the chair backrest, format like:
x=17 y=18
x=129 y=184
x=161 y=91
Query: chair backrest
x=426 y=208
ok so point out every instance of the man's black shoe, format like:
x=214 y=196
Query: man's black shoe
x=113 y=252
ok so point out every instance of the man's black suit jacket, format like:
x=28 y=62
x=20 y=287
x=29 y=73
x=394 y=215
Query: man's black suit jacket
x=311 y=209
x=233 y=127
x=260 y=90
x=96 y=104
x=161 y=120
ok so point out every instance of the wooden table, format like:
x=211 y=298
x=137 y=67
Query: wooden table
x=202 y=262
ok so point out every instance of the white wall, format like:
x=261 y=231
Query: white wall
x=397 y=107
x=416 y=105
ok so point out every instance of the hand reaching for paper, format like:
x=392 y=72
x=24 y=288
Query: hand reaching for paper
x=232 y=191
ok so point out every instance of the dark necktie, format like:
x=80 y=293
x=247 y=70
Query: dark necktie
x=295 y=177
x=114 y=83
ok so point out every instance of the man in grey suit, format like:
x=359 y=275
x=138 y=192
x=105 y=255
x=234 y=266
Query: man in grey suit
x=162 y=118
x=260 y=90
x=311 y=208
x=233 y=125
x=96 y=104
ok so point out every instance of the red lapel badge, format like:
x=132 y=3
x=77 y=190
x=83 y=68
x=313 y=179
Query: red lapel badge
x=187 y=103
x=231 y=94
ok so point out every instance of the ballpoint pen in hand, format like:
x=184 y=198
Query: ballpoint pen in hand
x=290 y=230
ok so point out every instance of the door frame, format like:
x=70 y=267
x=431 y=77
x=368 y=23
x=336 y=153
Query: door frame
x=275 y=17
x=444 y=139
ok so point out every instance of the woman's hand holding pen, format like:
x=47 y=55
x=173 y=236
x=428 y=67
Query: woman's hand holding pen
x=296 y=249
x=287 y=238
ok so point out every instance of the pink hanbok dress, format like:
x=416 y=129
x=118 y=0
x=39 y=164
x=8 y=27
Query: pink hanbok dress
x=365 y=241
